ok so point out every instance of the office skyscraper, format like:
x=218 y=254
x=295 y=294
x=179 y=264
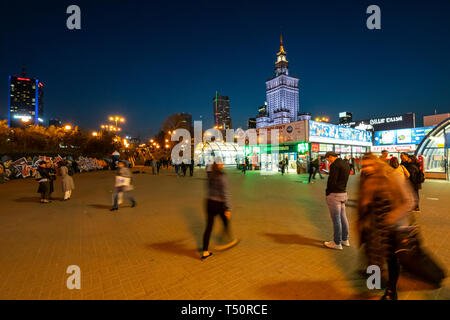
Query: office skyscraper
x=26 y=101
x=221 y=108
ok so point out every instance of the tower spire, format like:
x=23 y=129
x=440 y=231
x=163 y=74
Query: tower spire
x=281 y=43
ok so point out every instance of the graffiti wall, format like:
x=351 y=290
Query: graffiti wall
x=26 y=167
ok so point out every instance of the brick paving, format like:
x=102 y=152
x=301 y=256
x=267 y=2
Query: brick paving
x=152 y=251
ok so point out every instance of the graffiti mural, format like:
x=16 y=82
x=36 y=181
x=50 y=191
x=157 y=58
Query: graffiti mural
x=26 y=167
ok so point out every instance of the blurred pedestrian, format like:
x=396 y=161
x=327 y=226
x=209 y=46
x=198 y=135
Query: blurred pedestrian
x=385 y=199
x=123 y=184
x=336 y=195
x=416 y=177
x=286 y=164
x=217 y=203
x=399 y=169
x=66 y=181
x=43 y=178
x=384 y=155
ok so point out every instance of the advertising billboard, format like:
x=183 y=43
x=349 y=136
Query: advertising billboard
x=403 y=121
x=401 y=136
x=331 y=133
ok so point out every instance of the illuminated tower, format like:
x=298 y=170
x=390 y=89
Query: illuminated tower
x=282 y=93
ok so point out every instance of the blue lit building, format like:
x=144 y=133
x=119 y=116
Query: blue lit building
x=282 y=95
x=26 y=102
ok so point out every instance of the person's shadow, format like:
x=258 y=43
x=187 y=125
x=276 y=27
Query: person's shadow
x=175 y=247
x=293 y=239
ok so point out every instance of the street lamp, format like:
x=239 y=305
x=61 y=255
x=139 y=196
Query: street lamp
x=94 y=133
x=116 y=119
x=68 y=127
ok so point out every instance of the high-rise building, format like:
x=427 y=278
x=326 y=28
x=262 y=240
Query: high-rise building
x=221 y=108
x=251 y=123
x=26 y=101
x=187 y=119
x=282 y=94
x=345 y=118
x=55 y=122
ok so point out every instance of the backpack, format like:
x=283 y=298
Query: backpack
x=420 y=177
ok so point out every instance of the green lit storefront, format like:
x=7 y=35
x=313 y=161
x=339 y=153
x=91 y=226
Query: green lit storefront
x=267 y=157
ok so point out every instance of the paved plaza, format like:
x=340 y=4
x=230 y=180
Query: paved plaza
x=152 y=251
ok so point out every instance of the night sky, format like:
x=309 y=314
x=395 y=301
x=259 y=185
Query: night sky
x=147 y=59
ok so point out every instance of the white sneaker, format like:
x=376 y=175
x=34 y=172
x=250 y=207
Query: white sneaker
x=332 y=245
x=345 y=243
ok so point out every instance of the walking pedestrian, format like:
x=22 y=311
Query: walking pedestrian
x=286 y=163
x=385 y=200
x=123 y=184
x=282 y=165
x=217 y=203
x=66 y=181
x=43 y=178
x=336 y=195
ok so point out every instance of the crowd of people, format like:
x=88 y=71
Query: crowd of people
x=388 y=201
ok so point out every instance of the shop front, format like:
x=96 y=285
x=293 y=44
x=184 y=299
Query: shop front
x=434 y=152
x=348 y=142
x=398 y=141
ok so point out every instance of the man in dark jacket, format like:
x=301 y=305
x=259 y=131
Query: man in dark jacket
x=336 y=194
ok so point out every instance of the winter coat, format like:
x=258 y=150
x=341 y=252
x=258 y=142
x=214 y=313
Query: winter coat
x=66 y=179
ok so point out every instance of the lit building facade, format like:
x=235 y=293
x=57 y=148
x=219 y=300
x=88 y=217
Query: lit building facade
x=221 y=109
x=282 y=94
x=26 y=102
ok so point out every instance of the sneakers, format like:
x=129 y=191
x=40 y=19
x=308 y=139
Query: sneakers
x=332 y=245
x=345 y=243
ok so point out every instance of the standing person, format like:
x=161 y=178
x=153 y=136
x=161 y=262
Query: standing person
x=385 y=199
x=282 y=165
x=384 y=155
x=352 y=165
x=244 y=165
x=286 y=162
x=217 y=203
x=298 y=164
x=43 y=178
x=158 y=165
x=399 y=169
x=416 y=177
x=153 y=166
x=183 y=168
x=357 y=164
x=66 y=181
x=123 y=184
x=191 y=168
x=52 y=173
x=177 y=169
x=336 y=194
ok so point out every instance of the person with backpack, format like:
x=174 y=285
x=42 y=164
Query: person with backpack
x=416 y=177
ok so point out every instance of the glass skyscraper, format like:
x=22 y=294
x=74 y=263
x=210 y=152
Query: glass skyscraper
x=26 y=102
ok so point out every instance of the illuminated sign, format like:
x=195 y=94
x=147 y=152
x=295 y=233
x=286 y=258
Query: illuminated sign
x=331 y=133
x=401 y=136
x=302 y=147
x=394 y=148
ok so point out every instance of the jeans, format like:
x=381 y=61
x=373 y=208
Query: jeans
x=214 y=208
x=336 y=205
x=126 y=194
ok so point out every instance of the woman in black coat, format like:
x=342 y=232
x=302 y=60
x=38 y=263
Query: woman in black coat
x=44 y=178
